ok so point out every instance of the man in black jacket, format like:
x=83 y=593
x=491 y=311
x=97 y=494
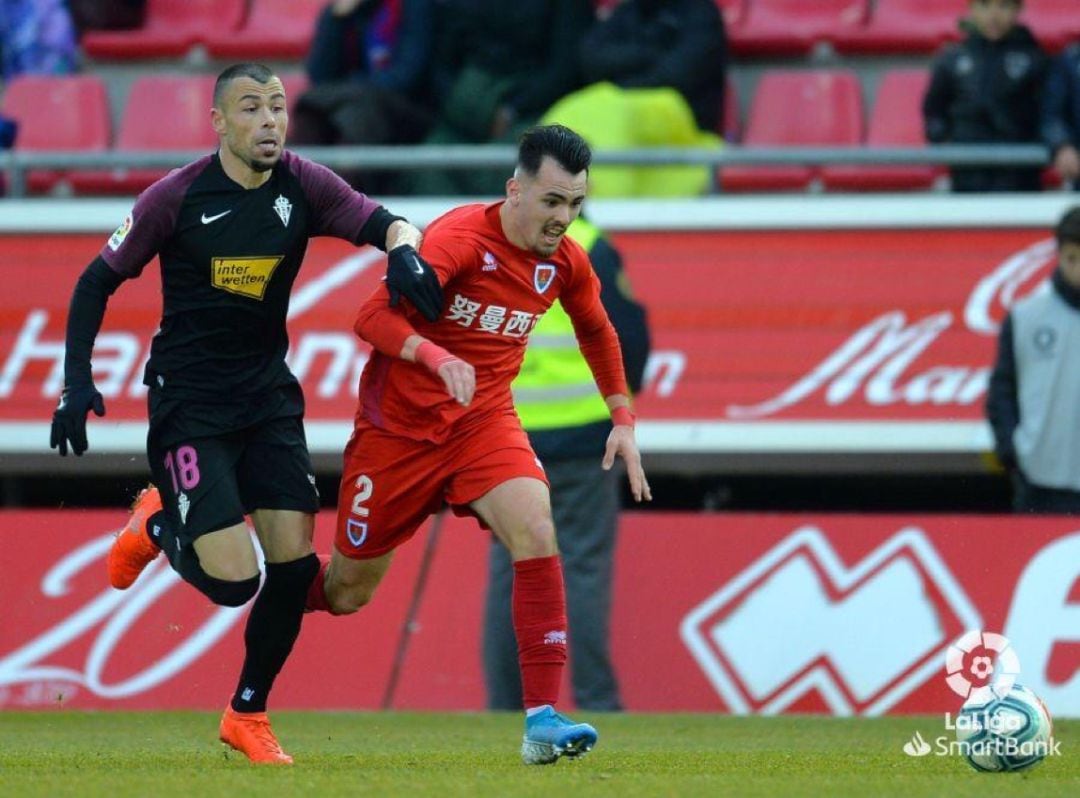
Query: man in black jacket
x=369 y=68
x=986 y=90
x=497 y=67
x=648 y=44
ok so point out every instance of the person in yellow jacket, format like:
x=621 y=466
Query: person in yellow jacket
x=568 y=424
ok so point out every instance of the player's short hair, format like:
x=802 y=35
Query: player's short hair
x=561 y=143
x=1068 y=229
x=257 y=72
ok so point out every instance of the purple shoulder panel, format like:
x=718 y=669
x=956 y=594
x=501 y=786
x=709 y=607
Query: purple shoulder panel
x=336 y=208
x=151 y=221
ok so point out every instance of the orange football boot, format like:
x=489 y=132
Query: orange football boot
x=133 y=548
x=251 y=735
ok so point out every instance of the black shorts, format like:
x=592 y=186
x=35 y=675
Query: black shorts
x=209 y=482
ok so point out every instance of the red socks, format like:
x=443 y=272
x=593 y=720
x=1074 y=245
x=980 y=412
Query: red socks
x=539 y=612
x=316 y=595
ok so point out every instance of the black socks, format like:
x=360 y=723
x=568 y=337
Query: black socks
x=272 y=628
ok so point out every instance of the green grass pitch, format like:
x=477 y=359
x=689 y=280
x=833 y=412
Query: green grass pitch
x=150 y=754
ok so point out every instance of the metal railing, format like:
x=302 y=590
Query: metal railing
x=18 y=163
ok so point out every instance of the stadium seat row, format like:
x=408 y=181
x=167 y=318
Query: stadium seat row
x=239 y=29
x=785 y=27
x=71 y=113
x=824 y=108
x=821 y=107
x=282 y=29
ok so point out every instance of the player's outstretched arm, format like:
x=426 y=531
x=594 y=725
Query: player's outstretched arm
x=621 y=442
x=79 y=397
x=408 y=274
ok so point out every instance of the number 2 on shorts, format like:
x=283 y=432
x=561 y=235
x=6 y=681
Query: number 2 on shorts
x=364 y=488
x=183 y=468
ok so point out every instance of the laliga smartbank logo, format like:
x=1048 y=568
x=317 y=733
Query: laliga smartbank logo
x=1001 y=725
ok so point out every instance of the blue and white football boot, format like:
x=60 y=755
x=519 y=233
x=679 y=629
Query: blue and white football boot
x=549 y=735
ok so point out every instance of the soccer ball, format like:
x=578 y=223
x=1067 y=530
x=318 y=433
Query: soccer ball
x=1007 y=733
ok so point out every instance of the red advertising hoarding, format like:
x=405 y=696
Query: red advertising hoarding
x=760 y=325
x=841 y=614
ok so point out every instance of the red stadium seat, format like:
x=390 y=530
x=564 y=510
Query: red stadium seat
x=57 y=113
x=163 y=112
x=1055 y=23
x=172 y=28
x=896 y=121
x=820 y=108
x=784 y=27
x=907 y=26
x=273 y=29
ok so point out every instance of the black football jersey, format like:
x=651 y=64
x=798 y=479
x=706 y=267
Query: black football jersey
x=229 y=257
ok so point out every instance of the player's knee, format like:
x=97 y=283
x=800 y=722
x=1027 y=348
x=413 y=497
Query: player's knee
x=230 y=593
x=536 y=538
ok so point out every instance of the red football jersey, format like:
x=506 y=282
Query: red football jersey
x=495 y=294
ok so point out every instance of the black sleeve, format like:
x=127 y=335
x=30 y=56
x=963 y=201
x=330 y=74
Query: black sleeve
x=88 y=301
x=937 y=102
x=1002 y=405
x=627 y=316
x=374 y=229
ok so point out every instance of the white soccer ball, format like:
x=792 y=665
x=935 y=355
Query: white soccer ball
x=1007 y=733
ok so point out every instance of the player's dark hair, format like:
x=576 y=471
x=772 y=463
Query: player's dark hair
x=1068 y=229
x=561 y=143
x=257 y=72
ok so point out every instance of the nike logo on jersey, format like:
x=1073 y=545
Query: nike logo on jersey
x=207 y=219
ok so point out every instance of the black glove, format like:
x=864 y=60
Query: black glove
x=408 y=274
x=69 y=418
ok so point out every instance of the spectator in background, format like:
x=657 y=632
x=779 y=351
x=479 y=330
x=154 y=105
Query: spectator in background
x=498 y=67
x=568 y=425
x=37 y=37
x=368 y=67
x=1035 y=386
x=986 y=90
x=657 y=73
x=1061 y=114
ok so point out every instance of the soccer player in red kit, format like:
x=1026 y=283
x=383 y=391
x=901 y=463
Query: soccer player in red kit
x=436 y=420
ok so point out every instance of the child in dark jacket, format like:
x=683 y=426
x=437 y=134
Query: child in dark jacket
x=987 y=90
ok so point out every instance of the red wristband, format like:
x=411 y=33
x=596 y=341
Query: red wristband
x=623 y=416
x=432 y=356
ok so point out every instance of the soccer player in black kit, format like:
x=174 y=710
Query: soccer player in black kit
x=226 y=434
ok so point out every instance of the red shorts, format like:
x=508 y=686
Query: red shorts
x=391 y=484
